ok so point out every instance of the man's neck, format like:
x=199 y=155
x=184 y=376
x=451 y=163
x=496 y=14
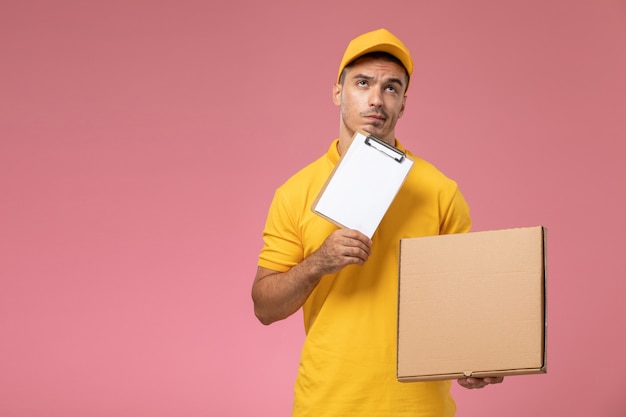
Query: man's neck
x=345 y=140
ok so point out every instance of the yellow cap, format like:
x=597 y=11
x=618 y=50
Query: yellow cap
x=380 y=40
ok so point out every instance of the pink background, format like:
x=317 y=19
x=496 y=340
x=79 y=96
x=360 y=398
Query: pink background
x=141 y=142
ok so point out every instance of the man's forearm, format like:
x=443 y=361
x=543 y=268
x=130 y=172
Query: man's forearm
x=277 y=295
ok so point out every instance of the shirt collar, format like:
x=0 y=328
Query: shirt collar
x=333 y=153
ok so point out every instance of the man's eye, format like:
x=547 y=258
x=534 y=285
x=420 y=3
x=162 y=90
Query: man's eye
x=361 y=83
x=391 y=88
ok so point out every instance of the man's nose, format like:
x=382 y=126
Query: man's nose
x=376 y=98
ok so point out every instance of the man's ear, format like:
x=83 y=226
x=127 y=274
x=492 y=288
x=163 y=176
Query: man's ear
x=403 y=106
x=337 y=94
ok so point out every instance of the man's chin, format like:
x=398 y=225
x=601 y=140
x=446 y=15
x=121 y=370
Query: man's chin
x=377 y=133
x=373 y=132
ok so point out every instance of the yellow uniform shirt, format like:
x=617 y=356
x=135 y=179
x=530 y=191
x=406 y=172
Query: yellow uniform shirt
x=348 y=361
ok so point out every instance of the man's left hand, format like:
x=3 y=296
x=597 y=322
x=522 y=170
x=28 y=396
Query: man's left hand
x=474 y=383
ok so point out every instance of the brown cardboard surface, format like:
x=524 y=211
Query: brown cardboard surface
x=472 y=304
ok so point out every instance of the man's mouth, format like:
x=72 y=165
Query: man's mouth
x=375 y=117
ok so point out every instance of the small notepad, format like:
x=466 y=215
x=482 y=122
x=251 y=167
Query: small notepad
x=363 y=184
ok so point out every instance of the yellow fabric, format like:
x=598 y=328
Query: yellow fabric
x=380 y=40
x=348 y=361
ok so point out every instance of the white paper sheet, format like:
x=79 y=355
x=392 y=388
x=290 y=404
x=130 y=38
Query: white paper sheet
x=363 y=185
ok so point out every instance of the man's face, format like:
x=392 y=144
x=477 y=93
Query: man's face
x=371 y=98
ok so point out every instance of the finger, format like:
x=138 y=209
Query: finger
x=351 y=247
x=358 y=252
x=494 y=380
x=361 y=249
x=472 y=383
x=358 y=236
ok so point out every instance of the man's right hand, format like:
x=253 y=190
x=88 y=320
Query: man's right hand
x=342 y=248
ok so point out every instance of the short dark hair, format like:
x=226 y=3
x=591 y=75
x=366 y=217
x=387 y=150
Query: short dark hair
x=376 y=55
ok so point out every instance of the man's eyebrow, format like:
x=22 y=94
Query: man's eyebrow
x=363 y=76
x=386 y=81
x=396 y=80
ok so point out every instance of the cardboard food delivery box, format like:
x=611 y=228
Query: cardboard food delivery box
x=472 y=304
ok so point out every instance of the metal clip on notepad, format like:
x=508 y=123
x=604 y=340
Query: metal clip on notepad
x=385 y=148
